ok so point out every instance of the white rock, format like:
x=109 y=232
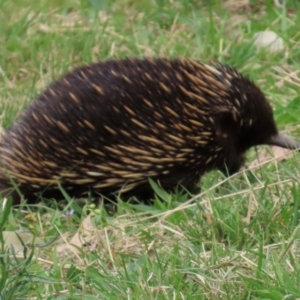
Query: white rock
x=269 y=40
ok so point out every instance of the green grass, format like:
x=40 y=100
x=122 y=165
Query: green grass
x=238 y=240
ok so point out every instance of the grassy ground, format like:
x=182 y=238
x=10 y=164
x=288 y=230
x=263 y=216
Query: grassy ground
x=239 y=240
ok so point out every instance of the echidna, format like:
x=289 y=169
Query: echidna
x=107 y=127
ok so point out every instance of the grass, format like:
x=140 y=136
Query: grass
x=238 y=240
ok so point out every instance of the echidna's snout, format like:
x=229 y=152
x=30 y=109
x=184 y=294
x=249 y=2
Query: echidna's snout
x=284 y=141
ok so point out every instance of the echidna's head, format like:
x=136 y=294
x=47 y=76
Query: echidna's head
x=257 y=124
x=248 y=121
x=256 y=118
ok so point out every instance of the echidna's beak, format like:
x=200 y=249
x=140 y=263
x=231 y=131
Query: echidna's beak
x=284 y=141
